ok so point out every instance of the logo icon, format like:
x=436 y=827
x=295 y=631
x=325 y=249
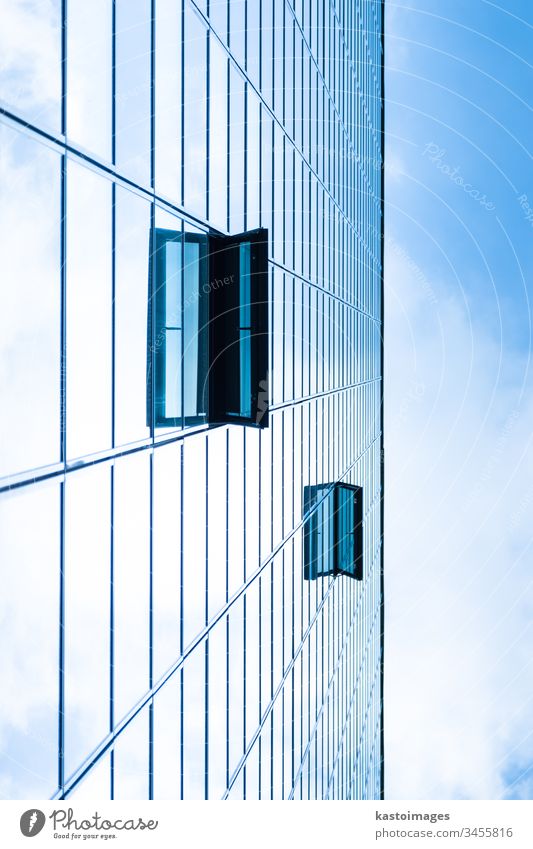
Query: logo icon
x=32 y=822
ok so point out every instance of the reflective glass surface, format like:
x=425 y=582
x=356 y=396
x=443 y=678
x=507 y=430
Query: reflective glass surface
x=133 y=88
x=30 y=72
x=29 y=610
x=88 y=314
x=30 y=313
x=181 y=548
x=89 y=52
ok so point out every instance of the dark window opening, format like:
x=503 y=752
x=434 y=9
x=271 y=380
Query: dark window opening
x=209 y=338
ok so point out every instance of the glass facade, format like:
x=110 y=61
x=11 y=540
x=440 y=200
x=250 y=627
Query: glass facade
x=161 y=637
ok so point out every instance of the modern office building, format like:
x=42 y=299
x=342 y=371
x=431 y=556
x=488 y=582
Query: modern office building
x=191 y=384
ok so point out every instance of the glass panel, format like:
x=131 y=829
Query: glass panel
x=30 y=72
x=167 y=93
x=167 y=740
x=133 y=88
x=194 y=537
x=89 y=52
x=216 y=709
x=194 y=131
x=29 y=611
x=97 y=784
x=253 y=161
x=131 y=761
x=318 y=532
x=181 y=310
x=131 y=546
x=131 y=315
x=29 y=304
x=195 y=328
x=218 y=16
x=87 y=599
x=236 y=172
x=245 y=331
x=253 y=35
x=237 y=10
x=88 y=311
x=166 y=557
x=218 y=127
x=194 y=725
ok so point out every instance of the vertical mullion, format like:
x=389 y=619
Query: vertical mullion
x=61 y=705
x=112 y=632
x=151 y=638
x=206 y=619
x=181 y=623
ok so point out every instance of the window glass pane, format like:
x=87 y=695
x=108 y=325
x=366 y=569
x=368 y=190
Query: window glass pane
x=29 y=610
x=89 y=52
x=166 y=558
x=97 y=784
x=132 y=239
x=30 y=72
x=29 y=304
x=194 y=537
x=87 y=599
x=216 y=519
x=195 y=327
x=164 y=355
x=218 y=126
x=237 y=29
x=194 y=725
x=266 y=50
x=253 y=35
x=88 y=311
x=236 y=173
x=318 y=532
x=167 y=93
x=167 y=740
x=194 y=131
x=218 y=16
x=216 y=709
x=131 y=546
x=131 y=760
x=253 y=161
x=132 y=101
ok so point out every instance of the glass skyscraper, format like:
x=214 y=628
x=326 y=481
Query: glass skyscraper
x=191 y=383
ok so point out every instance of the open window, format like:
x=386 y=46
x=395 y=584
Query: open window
x=209 y=337
x=333 y=531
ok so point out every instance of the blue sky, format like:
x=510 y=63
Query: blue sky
x=459 y=408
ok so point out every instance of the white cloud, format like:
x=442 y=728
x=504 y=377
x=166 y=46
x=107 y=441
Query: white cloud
x=459 y=673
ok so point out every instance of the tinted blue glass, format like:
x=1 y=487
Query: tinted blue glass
x=30 y=75
x=29 y=304
x=168 y=96
x=245 y=331
x=130 y=761
x=89 y=53
x=218 y=127
x=236 y=161
x=131 y=588
x=195 y=117
x=89 y=302
x=29 y=610
x=132 y=268
x=133 y=88
x=87 y=599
